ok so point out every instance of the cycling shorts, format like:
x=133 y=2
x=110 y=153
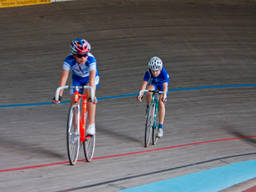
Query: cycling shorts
x=79 y=81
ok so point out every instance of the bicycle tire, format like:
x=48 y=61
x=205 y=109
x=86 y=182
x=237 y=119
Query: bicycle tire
x=148 y=125
x=155 y=127
x=89 y=147
x=154 y=136
x=73 y=133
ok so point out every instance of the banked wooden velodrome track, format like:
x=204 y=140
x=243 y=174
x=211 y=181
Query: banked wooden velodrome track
x=209 y=49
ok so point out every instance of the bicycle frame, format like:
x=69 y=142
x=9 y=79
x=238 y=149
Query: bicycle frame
x=77 y=98
x=76 y=130
x=151 y=127
x=82 y=127
x=155 y=99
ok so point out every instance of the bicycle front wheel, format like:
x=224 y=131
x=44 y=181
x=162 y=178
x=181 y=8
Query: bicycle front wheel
x=73 y=134
x=149 y=124
x=89 y=146
x=155 y=127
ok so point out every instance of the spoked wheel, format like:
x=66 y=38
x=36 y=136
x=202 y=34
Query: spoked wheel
x=149 y=124
x=155 y=127
x=73 y=133
x=154 y=136
x=89 y=146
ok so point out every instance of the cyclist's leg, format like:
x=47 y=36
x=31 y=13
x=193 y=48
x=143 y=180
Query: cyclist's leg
x=161 y=105
x=149 y=95
x=91 y=113
x=91 y=107
x=161 y=110
x=161 y=116
x=89 y=145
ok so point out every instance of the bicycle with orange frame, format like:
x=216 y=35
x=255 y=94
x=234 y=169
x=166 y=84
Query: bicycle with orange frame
x=77 y=125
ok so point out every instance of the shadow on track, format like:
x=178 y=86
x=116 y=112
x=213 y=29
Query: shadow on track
x=117 y=135
x=28 y=148
x=238 y=133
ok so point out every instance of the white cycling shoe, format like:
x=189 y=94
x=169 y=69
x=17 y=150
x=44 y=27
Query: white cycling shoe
x=160 y=132
x=91 y=129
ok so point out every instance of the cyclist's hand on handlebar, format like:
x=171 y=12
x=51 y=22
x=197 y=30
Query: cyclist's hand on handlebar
x=95 y=100
x=164 y=98
x=139 y=98
x=55 y=101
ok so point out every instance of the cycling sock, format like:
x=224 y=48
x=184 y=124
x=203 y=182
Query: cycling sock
x=160 y=126
x=92 y=126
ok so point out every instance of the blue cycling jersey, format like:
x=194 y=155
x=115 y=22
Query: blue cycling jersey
x=158 y=81
x=163 y=77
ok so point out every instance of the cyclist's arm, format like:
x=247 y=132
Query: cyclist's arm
x=165 y=89
x=144 y=85
x=63 y=79
x=92 y=80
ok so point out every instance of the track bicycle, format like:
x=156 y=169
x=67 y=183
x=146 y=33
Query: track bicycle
x=77 y=125
x=152 y=117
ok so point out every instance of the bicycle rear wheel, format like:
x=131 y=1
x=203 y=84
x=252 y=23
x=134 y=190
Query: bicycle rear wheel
x=149 y=124
x=89 y=146
x=73 y=133
x=154 y=136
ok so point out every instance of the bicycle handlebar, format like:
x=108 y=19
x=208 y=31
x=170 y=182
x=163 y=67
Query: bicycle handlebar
x=76 y=87
x=152 y=91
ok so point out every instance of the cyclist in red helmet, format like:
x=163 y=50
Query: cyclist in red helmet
x=84 y=72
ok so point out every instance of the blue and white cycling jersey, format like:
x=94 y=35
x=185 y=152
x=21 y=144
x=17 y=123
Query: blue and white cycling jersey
x=81 y=72
x=158 y=81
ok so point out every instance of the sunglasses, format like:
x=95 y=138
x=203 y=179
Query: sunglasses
x=80 y=56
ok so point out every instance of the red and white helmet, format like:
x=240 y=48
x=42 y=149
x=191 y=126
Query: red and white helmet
x=155 y=64
x=80 y=47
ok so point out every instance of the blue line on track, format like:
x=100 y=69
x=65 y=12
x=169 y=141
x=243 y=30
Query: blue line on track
x=211 y=180
x=135 y=94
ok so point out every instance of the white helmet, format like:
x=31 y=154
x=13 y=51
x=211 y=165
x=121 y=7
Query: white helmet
x=155 y=64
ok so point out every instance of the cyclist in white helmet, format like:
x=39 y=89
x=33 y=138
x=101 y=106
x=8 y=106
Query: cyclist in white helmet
x=156 y=78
